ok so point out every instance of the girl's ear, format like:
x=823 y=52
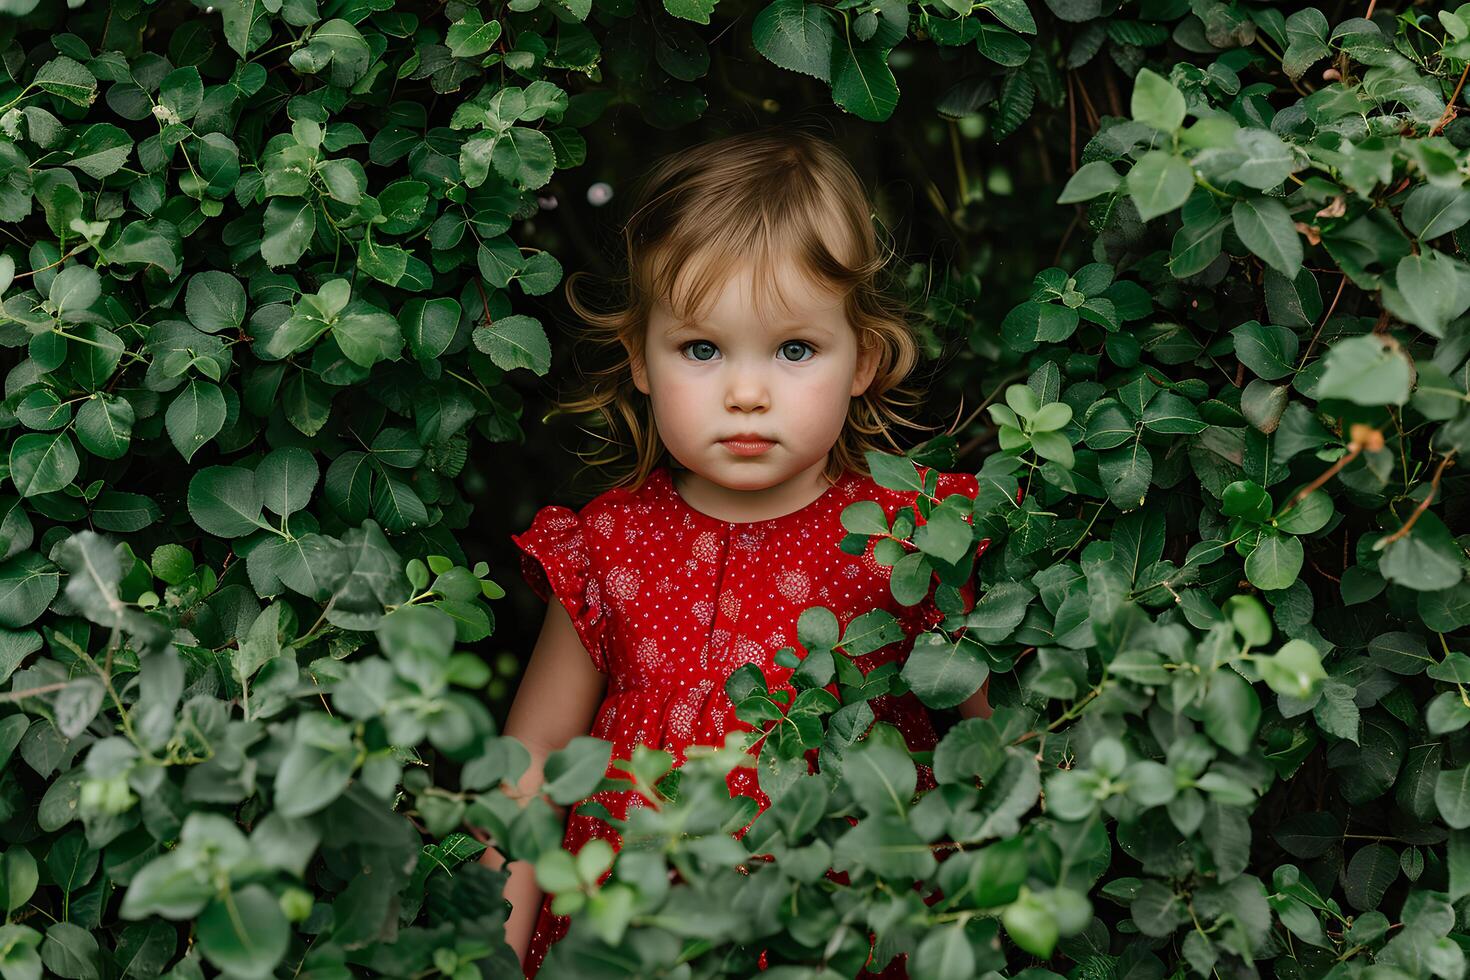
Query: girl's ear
x=636 y=365
x=867 y=368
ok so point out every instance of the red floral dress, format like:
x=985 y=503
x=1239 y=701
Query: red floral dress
x=669 y=601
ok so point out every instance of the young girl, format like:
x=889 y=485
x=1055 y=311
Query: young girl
x=748 y=422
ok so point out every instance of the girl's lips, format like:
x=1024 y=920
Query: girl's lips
x=747 y=447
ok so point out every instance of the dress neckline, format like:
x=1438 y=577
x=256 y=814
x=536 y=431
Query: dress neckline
x=667 y=476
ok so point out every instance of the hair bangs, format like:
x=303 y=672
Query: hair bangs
x=691 y=293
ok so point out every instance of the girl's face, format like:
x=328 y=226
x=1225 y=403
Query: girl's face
x=786 y=378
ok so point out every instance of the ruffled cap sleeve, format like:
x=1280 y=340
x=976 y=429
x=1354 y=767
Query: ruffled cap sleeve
x=555 y=560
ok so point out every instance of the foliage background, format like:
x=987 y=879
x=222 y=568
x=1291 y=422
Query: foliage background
x=275 y=287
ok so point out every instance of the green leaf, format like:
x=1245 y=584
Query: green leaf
x=115 y=510
x=71 y=951
x=385 y=263
x=1031 y=925
x=104 y=425
x=395 y=505
x=69 y=80
x=338 y=47
x=1267 y=159
x=1126 y=473
x=244 y=932
x=1452 y=797
x=101 y=150
x=348 y=486
x=865 y=517
x=943 y=672
x=1268 y=350
x=1156 y=102
x=524 y=157
x=1031 y=323
x=1433 y=210
x=403 y=203
x=499 y=260
x=909 y=581
x=893 y=472
x=239 y=16
x=289 y=226
x=471 y=36
x=862 y=82
x=1293 y=671
x=1366 y=370
x=540 y=274
x=1012 y=13
x=516 y=341
x=1308 y=516
x=1108 y=426
x=1369 y=874
x=797 y=36
x=95 y=353
x=1265 y=227
x=43 y=462
x=999 y=611
x=1091 y=180
x=215 y=301
x=1160 y=182
x=1426 y=559
x=345 y=180
x=573 y=772
x=944 y=954
x=182 y=92
x=1306 y=31
x=154 y=243
x=20 y=873
x=286 y=478
x=1231 y=711
x=1172 y=414
x=946 y=535
x=74 y=289
x=695 y=10
x=1247 y=499
x=1053 y=446
x=28 y=583
x=317 y=766
x=224 y=501
x=21 y=959
x=195 y=416
x=1275 y=562
x=1430 y=289
x=429 y=325
x=368 y=337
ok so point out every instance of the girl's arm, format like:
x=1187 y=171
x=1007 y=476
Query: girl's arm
x=557 y=700
x=978 y=704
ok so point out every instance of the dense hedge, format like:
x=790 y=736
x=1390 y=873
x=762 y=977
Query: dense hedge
x=264 y=275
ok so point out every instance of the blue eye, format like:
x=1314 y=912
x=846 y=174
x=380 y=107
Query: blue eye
x=799 y=344
x=699 y=343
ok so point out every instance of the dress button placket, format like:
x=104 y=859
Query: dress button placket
x=727 y=593
x=739 y=568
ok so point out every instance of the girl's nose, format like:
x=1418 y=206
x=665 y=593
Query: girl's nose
x=747 y=390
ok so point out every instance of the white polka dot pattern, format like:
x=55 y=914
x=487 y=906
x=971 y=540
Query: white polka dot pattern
x=689 y=598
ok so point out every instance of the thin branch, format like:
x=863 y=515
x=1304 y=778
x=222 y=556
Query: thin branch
x=1423 y=504
x=1449 y=108
x=32 y=692
x=1328 y=316
x=1363 y=437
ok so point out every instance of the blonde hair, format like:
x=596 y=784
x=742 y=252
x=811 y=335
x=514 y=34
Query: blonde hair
x=767 y=195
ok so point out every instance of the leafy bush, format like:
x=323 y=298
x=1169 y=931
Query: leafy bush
x=1223 y=612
